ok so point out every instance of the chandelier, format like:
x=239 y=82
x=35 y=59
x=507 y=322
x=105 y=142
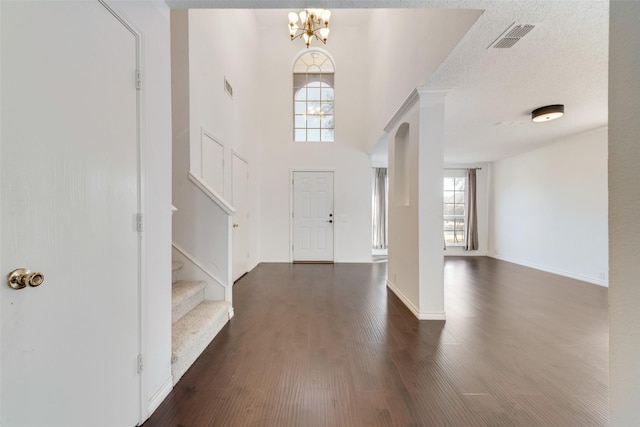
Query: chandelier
x=313 y=23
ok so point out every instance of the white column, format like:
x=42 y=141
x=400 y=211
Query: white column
x=430 y=235
x=624 y=211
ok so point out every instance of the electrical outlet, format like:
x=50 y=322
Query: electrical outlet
x=395 y=278
x=603 y=275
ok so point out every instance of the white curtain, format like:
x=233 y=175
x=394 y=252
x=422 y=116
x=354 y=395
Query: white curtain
x=380 y=206
x=471 y=220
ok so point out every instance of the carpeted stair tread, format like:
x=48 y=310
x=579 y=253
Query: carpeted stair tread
x=193 y=332
x=185 y=295
x=183 y=289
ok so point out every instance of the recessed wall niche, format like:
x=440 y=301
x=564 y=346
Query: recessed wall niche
x=400 y=169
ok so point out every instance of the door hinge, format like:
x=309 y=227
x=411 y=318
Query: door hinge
x=140 y=363
x=139 y=222
x=138 y=80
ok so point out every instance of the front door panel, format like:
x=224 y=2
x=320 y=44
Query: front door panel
x=313 y=218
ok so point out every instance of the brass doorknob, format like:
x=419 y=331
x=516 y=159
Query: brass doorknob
x=35 y=279
x=20 y=278
x=235 y=225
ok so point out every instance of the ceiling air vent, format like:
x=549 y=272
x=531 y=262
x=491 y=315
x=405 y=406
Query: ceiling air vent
x=228 y=88
x=511 y=36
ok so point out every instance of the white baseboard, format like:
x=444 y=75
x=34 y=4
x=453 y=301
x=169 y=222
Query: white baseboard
x=426 y=315
x=404 y=299
x=421 y=315
x=268 y=260
x=604 y=283
x=160 y=395
x=449 y=252
x=253 y=265
x=335 y=261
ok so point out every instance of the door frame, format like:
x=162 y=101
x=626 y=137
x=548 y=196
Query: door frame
x=235 y=153
x=112 y=8
x=291 y=190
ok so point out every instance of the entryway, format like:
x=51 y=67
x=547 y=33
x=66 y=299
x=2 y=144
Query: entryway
x=313 y=218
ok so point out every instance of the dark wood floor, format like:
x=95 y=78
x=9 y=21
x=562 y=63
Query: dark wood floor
x=328 y=345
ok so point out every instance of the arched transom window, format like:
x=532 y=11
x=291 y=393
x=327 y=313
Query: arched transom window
x=313 y=98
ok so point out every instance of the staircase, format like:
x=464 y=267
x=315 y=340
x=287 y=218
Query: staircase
x=196 y=321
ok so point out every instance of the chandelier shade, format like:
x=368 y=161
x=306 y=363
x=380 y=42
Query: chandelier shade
x=310 y=24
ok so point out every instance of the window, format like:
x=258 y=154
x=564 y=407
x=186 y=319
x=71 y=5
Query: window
x=313 y=98
x=380 y=208
x=454 y=210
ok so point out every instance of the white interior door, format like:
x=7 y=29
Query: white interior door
x=69 y=198
x=313 y=216
x=240 y=184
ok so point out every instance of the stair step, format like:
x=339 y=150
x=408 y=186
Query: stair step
x=192 y=334
x=185 y=296
x=176 y=265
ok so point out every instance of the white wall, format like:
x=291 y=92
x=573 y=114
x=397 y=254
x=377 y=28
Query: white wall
x=624 y=205
x=347 y=156
x=404 y=250
x=399 y=37
x=430 y=196
x=482 y=201
x=213 y=56
x=204 y=55
x=199 y=224
x=371 y=83
x=151 y=18
x=416 y=153
x=549 y=208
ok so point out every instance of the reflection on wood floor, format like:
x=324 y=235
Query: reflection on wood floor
x=328 y=345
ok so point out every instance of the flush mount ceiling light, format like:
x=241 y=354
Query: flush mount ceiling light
x=547 y=113
x=313 y=23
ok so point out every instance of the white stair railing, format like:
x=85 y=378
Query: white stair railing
x=203 y=235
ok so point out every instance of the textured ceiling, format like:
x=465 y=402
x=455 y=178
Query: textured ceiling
x=491 y=92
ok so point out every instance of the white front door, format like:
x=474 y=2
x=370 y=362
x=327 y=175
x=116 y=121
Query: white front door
x=69 y=198
x=313 y=218
x=240 y=184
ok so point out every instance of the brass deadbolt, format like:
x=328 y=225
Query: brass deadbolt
x=20 y=278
